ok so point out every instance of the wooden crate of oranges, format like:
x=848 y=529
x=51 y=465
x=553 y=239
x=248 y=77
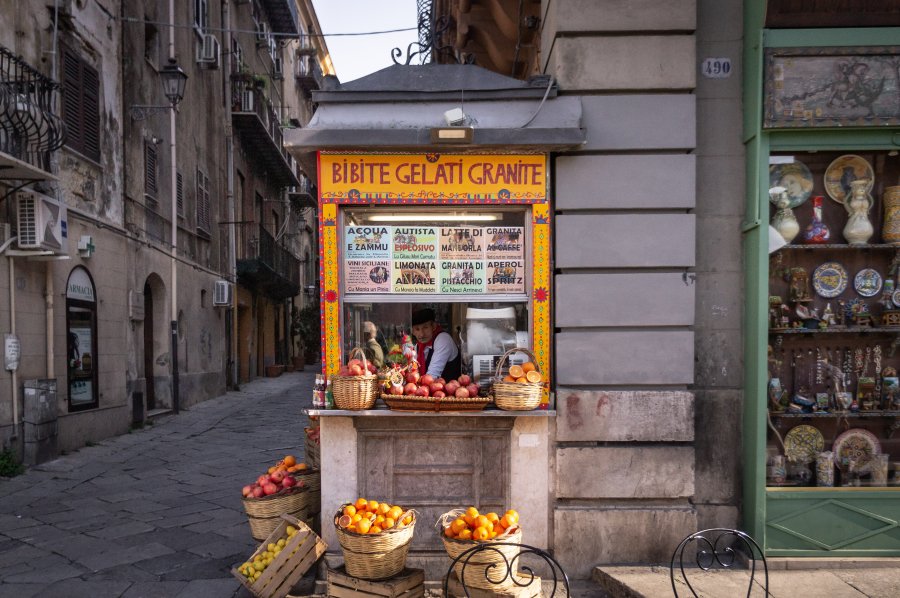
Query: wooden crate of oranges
x=374 y=537
x=281 y=560
x=463 y=529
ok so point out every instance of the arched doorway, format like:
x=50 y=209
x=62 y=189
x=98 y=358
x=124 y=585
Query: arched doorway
x=154 y=339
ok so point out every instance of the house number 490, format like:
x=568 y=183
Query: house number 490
x=716 y=68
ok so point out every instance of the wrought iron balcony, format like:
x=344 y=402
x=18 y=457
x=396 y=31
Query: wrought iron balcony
x=259 y=128
x=308 y=73
x=304 y=195
x=265 y=264
x=283 y=17
x=29 y=129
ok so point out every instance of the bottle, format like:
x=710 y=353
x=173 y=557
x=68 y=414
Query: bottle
x=329 y=396
x=318 y=401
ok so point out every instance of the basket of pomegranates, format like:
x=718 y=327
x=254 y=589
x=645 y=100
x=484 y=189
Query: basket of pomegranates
x=286 y=488
x=409 y=391
x=356 y=385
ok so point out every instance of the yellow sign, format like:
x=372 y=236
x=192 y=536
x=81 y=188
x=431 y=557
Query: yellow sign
x=432 y=178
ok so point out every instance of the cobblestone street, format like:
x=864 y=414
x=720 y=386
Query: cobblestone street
x=156 y=512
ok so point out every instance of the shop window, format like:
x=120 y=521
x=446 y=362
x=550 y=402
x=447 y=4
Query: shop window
x=81 y=340
x=471 y=268
x=80 y=104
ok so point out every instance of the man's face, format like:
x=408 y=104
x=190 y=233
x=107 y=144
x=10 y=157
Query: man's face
x=423 y=332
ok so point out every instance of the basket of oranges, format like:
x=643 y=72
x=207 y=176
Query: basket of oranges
x=521 y=389
x=374 y=537
x=488 y=569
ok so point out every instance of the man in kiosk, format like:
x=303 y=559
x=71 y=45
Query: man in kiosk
x=436 y=351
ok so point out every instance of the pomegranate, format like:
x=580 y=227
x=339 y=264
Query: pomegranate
x=269 y=488
x=412 y=377
x=440 y=394
x=288 y=482
x=247 y=491
x=354 y=362
x=473 y=390
x=356 y=370
x=276 y=476
x=434 y=387
x=410 y=389
x=451 y=387
x=262 y=480
x=422 y=391
x=396 y=389
x=465 y=380
x=442 y=381
x=461 y=393
x=344 y=371
x=372 y=368
x=258 y=492
x=426 y=380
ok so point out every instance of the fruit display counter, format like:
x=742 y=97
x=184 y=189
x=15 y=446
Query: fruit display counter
x=433 y=462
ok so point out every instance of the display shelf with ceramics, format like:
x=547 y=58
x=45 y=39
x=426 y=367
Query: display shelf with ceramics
x=834 y=313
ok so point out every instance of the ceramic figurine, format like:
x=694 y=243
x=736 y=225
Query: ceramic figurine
x=817 y=232
x=799 y=285
x=784 y=220
x=890 y=230
x=859 y=229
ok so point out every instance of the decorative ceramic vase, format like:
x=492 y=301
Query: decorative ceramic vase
x=817 y=232
x=890 y=231
x=859 y=229
x=785 y=222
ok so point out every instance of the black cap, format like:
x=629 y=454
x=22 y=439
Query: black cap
x=423 y=315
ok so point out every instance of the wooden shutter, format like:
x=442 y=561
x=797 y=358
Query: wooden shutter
x=179 y=193
x=202 y=201
x=71 y=99
x=150 y=169
x=81 y=105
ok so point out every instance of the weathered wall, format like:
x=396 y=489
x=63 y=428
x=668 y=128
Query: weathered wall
x=626 y=253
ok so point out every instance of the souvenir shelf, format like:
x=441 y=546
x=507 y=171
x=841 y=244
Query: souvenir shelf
x=834 y=318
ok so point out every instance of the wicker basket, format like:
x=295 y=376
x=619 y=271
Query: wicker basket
x=415 y=403
x=487 y=570
x=516 y=396
x=355 y=392
x=377 y=556
x=264 y=514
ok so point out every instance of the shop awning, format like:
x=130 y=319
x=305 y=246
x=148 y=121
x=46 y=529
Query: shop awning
x=397 y=108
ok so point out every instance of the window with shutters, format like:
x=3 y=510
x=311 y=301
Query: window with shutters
x=151 y=165
x=201 y=16
x=202 y=202
x=179 y=194
x=81 y=105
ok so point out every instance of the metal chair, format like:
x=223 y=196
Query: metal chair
x=715 y=549
x=511 y=567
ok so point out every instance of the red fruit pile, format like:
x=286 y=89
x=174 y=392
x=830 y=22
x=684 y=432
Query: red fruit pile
x=277 y=479
x=356 y=367
x=427 y=386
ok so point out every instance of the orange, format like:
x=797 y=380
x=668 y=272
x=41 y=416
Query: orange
x=528 y=367
x=533 y=376
x=516 y=371
x=357 y=518
x=388 y=523
x=345 y=521
x=470 y=515
x=384 y=508
x=395 y=513
x=363 y=526
x=514 y=515
x=466 y=534
x=448 y=531
x=407 y=520
x=290 y=460
x=350 y=510
x=493 y=517
x=361 y=504
x=481 y=534
x=482 y=521
x=351 y=528
x=458 y=525
x=301 y=466
x=493 y=535
x=506 y=521
x=375 y=529
x=271 y=469
x=379 y=519
x=508 y=379
x=522 y=380
x=373 y=506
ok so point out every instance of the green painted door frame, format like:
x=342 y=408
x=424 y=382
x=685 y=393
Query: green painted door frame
x=866 y=521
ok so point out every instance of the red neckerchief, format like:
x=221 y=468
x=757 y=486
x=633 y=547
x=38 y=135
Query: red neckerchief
x=420 y=347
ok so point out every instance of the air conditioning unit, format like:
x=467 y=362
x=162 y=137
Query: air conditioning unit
x=247 y=98
x=277 y=70
x=262 y=34
x=42 y=223
x=222 y=293
x=208 y=51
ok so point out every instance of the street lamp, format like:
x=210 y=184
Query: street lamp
x=173 y=82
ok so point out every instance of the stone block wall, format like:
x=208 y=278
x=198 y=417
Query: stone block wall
x=626 y=254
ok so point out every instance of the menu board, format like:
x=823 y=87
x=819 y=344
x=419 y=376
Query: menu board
x=434 y=260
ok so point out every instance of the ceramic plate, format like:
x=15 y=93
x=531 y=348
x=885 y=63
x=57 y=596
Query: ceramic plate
x=855 y=444
x=895 y=298
x=830 y=280
x=802 y=444
x=867 y=282
x=842 y=172
x=795 y=178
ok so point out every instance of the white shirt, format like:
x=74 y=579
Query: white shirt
x=444 y=350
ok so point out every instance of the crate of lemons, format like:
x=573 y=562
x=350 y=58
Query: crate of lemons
x=253 y=569
x=374 y=537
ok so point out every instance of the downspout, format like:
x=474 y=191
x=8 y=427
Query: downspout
x=48 y=304
x=174 y=215
x=12 y=330
x=233 y=355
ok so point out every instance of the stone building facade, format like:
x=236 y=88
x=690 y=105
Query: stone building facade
x=97 y=316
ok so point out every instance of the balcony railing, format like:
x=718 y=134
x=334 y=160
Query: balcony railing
x=283 y=15
x=308 y=72
x=29 y=129
x=259 y=126
x=265 y=264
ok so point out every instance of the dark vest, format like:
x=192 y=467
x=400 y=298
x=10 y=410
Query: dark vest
x=453 y=368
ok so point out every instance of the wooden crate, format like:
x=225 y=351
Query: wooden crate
x=298 y=555
x=409 y=583
x=532 y=590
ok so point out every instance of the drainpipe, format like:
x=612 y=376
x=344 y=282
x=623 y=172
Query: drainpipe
x=174 y=216
x=233 y=355
x=12 y=331
x=48 y=304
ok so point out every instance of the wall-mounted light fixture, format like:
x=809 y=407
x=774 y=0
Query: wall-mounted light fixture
x=173 y=82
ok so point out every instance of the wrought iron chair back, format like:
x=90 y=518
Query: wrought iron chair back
x=512 y=566
x=716 y=547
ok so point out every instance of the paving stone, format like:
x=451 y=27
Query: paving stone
x=209 y=588
x=218 y=549
x=9 y=523
x=20 y=590
x=123 y=556
x=22 y=553
x=157 y=589
x=124 y=573
x=140 y=506
x=74 y=515
x=174 y=538
x=203 y=569
x=182 y=521
x=46 y=575
x=120 y=531
x=118 y=497
x=78 y=588
x=76 y=546
x=167 y=563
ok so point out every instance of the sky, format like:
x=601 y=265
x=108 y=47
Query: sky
x=356 y=56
